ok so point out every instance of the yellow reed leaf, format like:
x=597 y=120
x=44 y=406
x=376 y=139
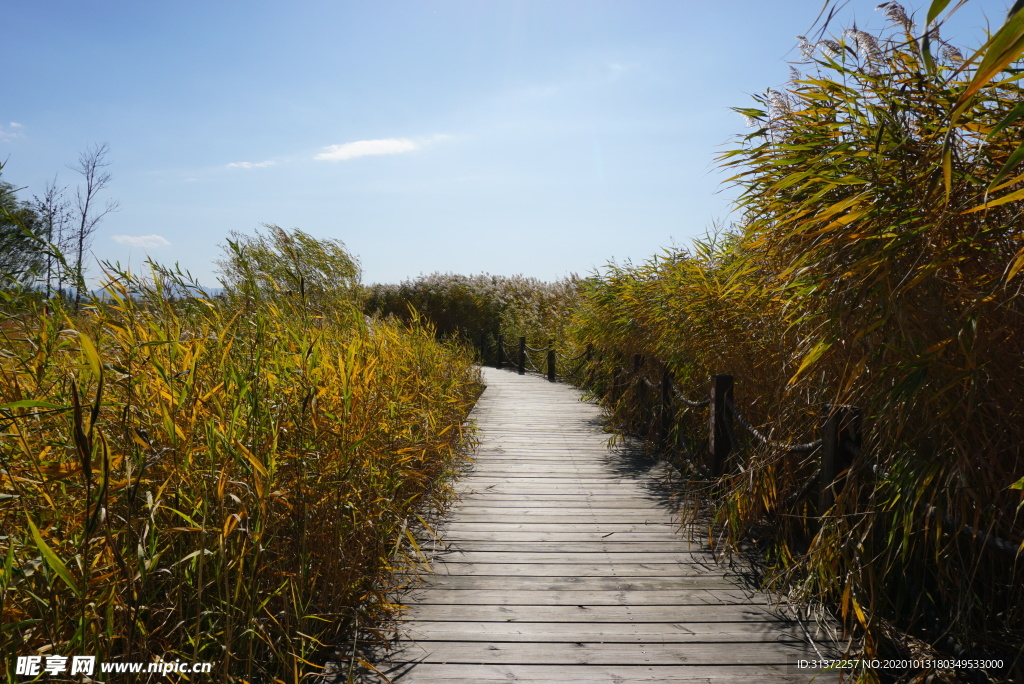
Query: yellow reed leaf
x=91 y=355
x=810 y=358
x=231 y=523
x=259 y=467
x=1012 y=197
x=860 y=613
x=52 y=559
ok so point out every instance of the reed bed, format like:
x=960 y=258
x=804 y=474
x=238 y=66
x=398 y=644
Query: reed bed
x=877 y=265
x=215 y=479
x=469 y=307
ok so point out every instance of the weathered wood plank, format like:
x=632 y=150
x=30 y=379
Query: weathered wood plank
x=540 y=526
x=453 y=673
x=585 y=611
x=698 y=598
x=569 y=518
x=582 y=653
x=539 y=569
x=517 y=506
x=576 y=583
x=558 y=555
x=556 y=535
x=607 y=499
x=609 y=632
x=668 y=545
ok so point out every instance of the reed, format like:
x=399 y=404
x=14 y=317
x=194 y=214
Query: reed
x=876 y=264
x=470 y=306
x=215 y=479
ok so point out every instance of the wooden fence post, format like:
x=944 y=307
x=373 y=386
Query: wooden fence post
x=551 y=360
x=501 y=353
x=522 y=355
x=483 y=349
x=720 y=423
x=590 y=352
x=665 y=427
x=841 y=440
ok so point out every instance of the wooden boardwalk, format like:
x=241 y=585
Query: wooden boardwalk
x=564 y=563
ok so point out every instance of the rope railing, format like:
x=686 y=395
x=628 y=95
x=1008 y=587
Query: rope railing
x=532 y=366
x=794 y=448
x=689 y=402
x=840 y=425
x=986 y=538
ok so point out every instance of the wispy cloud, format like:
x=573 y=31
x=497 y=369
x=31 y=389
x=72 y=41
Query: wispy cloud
x=365 y=148
x=11 y=130
x=250 y=165
x=140 y=240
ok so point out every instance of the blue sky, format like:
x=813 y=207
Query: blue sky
x=534 y=137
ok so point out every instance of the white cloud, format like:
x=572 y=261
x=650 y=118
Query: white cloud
x=140 y=240
x=251 y=165
x=363 y=148
x=11 y=131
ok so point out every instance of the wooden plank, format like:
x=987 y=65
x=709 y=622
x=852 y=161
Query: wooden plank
x=455 y=528
x=609 y=632
x=588 y=613
x=557 y=535
x=566 y=508
x=504 y=502
x=457 y=673
x=513 y=505
x=557 y=555
x=582 y=653
x=567 y=518
x=576 y=583
x=668 y=545
x=607 y=498
x=700 y=598
x=606 y=569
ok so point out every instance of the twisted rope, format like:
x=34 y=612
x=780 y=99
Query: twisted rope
x=530 y=364
x=796 y=448
x=689 y=402
x=985 y=538
x=652 y=385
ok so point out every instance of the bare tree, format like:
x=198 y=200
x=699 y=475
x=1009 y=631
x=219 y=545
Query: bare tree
x=54 y=212
x=92 y=166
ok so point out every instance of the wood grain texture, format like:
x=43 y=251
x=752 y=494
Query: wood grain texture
x=565 y=561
